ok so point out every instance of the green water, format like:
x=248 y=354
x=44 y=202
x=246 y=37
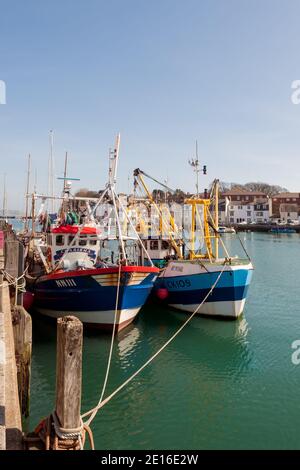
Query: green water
x=219 y=385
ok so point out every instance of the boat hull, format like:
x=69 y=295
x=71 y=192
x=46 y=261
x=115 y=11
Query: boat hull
x=91 y=294
x=187 y=290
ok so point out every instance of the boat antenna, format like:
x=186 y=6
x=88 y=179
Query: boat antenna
x=194 y=163
x=66 y=179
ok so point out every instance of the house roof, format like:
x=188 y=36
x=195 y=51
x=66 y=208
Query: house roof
x=286 y=195
x=243 y=192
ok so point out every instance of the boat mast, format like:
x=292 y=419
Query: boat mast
x=65 y=171
x=65 y=181
x=50 y=172
x=4 y=197
x=194 y=162
x=217 y=219
x=27 y=193
x=113 y=167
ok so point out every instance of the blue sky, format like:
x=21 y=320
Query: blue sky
x=162 y=72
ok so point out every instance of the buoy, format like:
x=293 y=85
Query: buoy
x=162 y=293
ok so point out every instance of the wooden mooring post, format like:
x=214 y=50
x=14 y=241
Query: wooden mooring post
x=14 y=260
x=22 y=329
x=62 y=429
x=69 y=371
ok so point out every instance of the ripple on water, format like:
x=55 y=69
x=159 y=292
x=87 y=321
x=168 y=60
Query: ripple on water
x=220 y=384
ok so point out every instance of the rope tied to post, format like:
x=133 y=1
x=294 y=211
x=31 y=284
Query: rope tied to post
x=19 y=283
x=51 y=436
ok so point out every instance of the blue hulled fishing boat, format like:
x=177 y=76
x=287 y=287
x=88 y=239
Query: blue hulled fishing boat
x=76 y=280
x=215 y=285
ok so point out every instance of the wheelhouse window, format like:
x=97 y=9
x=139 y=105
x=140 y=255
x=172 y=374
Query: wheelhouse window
x=93 y=241
x=164 y=244
x=82 y=240
x=60 y=240
x=154 y=245
x=71 y=238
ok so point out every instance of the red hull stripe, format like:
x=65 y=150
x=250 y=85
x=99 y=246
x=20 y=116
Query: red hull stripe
x=97 y=271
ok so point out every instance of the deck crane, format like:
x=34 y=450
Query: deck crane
x=168 y=226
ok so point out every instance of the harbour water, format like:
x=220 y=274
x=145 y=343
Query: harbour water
x=219 y=385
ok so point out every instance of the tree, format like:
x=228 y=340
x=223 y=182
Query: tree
x=268 y=189
x=84 y=192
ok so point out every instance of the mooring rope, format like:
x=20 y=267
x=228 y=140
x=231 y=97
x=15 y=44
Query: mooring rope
x=19 y=283
x=63 y=433
x=93 y=411
x=243 y=246
x=102 y=402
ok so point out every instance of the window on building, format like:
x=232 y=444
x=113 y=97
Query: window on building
x=287 y=198
x=248 y=221
x=240 y=207
x=259 y=214
x=248 y=207
x=294 y=199
x=231 y=207
x=231 y=213
x=231 y=220
x=247 y=198
x=238 y=198
x=248 y=213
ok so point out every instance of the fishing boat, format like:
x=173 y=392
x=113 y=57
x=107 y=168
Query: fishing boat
x=215 y=285
x=279 y=230
x=226 y=230
x=75 y=279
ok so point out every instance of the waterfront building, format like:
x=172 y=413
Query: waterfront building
x=245 y=206
x=285 y=206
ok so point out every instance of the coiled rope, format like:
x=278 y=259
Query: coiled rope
x=92 y=413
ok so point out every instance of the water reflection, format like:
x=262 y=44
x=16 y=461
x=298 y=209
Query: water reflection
x=127 y=341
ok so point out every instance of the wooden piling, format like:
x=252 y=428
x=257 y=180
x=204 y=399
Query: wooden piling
x=69 y=371
x=14 y=260
x=22 y=328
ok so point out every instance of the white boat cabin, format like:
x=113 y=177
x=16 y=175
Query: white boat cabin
x=72 y=249
x=159 y=249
